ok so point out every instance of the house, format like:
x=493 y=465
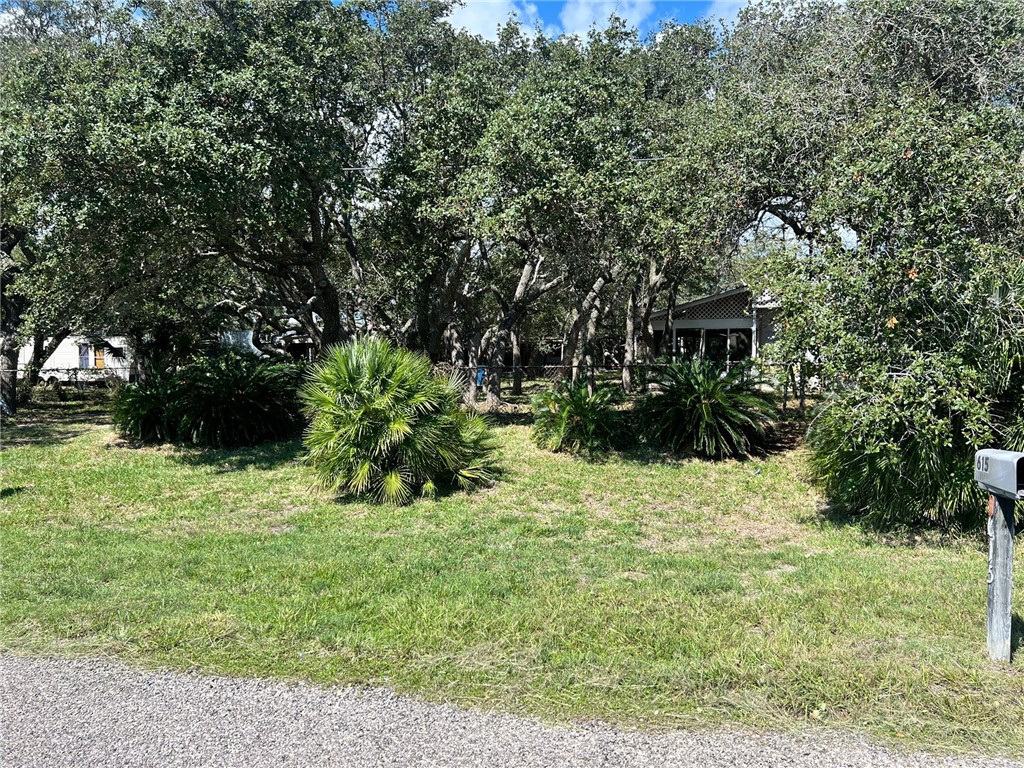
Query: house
x=82 y=359
x=728 y=326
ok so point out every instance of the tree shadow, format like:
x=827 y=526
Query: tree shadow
x=924 y=533
x=1016 y=632
x=48 y=423
x=262 y=457
x=508 y=418
x=784 y=437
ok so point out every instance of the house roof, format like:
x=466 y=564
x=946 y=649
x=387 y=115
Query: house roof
x=763 y=301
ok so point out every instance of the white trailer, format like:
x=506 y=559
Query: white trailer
x=81 y=359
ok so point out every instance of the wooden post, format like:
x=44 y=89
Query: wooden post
x=1000 y=576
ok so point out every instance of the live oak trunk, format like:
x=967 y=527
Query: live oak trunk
x=629 y=355
x=9 y=372
x=472 y=363
x=42 y=349
x=517 y=366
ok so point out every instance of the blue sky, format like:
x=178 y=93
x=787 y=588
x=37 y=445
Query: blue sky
x=577 y=16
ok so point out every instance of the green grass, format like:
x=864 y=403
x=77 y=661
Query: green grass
x=643 y=593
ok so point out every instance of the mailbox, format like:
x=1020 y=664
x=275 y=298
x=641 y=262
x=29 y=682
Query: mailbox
x=1001 y=473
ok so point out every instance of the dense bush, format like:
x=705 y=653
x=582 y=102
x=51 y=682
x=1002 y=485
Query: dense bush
x=701 y=408
x=900 y=450
x=140 y=411
x=224 y=400
x=233 y=399
x=569 y=418
x=382 y=424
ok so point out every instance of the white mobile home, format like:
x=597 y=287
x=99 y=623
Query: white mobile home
x=81 y=358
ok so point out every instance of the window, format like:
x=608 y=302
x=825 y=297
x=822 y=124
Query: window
x=84 y=351
x=688 y=341
x=716 y=344
x=100 y=357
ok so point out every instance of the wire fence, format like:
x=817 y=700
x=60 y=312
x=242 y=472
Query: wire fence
x=790 y=381
x=110 y=375
x=773 y=375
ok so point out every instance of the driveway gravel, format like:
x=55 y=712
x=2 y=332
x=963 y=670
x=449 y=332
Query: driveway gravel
x=56 y=712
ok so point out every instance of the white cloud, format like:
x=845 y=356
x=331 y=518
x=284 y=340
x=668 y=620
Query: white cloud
x=483 y=17
x=578 y=16
x=724 y=10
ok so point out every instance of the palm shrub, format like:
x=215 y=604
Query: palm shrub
x=224 y=400
x=383 y=425
x=701 y=408
x=572 y=419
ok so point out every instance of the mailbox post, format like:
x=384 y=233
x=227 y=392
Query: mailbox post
x=1001 y=473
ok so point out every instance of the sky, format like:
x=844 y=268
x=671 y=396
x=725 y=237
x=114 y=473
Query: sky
x=556 y=17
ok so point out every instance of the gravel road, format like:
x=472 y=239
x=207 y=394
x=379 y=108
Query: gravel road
x=95 y=713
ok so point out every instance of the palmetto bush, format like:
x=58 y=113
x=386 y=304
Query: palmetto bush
x=568 y=418
x=383 y=425
x=232 y=399
x=225 y=400
x=701 y=408
x=140 y=410
x=899 y=450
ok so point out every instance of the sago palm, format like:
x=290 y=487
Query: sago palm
x=569 y=418
x=705 y=410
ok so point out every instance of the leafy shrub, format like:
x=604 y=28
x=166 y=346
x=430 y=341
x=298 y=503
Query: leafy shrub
x=226 y=400
x=900 y=450
x=383 y=425
x=706 y=410
x=568 y=418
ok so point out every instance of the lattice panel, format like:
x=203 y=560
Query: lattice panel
x=728 y=306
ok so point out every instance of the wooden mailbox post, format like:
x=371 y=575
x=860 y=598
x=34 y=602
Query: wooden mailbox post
x=1001 y=473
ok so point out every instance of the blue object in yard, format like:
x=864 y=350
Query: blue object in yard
x=480 y=376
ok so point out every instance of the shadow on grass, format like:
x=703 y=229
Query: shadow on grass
x=14 y=490
x=48 y=423
x=1016 y=633
x=264 y=456
x=508 y=418
x=785 y=437
x=924 y=533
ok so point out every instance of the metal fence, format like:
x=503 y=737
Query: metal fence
x=111 y=375
x=776 y=376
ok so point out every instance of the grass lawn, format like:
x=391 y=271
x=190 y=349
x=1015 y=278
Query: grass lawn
x=644 y=593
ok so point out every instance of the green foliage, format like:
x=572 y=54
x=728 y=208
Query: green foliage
x=916 y=324
x=569 y=418
x=140 y=411
x=899 y=449
x=702 y=408
x=233 y=399
x=383 y=425
x=225 y=400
